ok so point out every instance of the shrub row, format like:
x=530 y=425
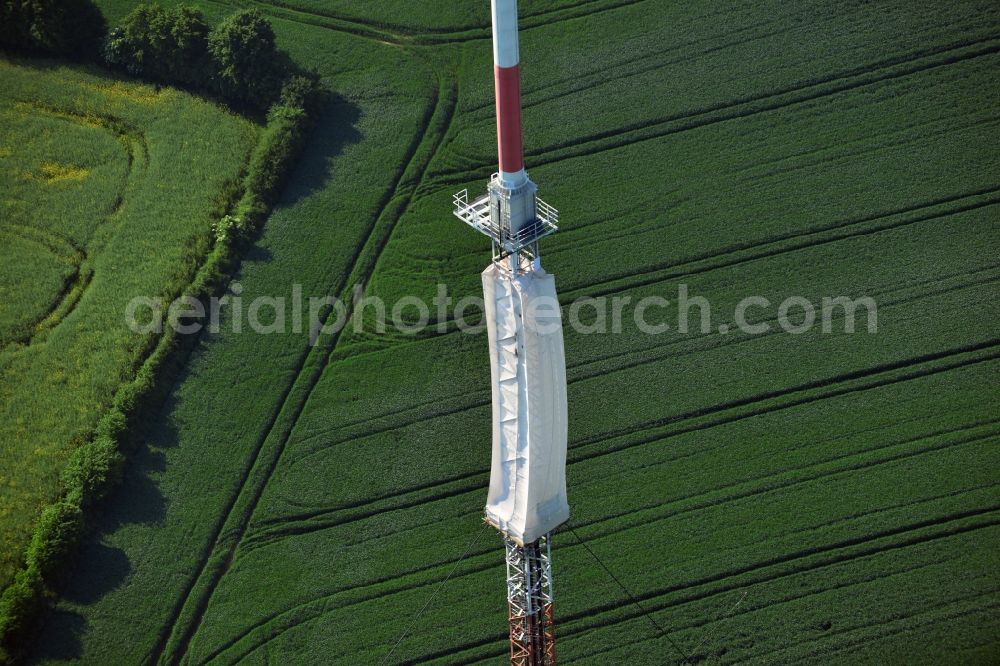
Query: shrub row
x=95 y=468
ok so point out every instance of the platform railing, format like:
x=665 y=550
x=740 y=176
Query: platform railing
x=477 y=215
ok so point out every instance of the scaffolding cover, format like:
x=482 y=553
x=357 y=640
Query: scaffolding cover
x=527 y=496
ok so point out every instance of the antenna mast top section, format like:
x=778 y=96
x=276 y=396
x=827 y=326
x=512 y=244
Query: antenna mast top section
x=507 y=80
x=510 y=212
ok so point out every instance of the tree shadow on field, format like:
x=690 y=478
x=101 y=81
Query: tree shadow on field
x=257 y=254
x=68 y=626
x=80 y=586
x=335 y=129
x=98 y=567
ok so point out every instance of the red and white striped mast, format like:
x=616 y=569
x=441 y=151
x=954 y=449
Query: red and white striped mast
x=507 y=79
x=527 y=494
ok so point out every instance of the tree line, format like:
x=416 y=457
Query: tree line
x=236 y=60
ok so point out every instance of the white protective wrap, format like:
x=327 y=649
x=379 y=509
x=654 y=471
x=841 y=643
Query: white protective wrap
x=527 y=496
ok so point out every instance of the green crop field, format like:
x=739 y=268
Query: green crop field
x=106 y=192
x=776 y=498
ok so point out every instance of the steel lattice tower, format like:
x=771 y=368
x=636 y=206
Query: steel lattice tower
x=529 y=596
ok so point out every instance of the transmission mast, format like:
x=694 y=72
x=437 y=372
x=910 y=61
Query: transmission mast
x=527 y=494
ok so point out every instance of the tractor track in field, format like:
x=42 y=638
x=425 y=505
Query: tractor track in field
x=773 y=481
x=612 y=525
x=78 y=255
x=674 y=425
x=742 y=253
x=318 y=606
x=921 y=611
x=596 y=366
x=807 y=91
x=882 y=374
x=765 y=249
x=179 y=633
x=659 y=429
x=790 y=598
x=644 y=515
x=934 y=619
x=732 y=497
x=583 y=81
x=403 y=36
x=809 y=16
x=617 y=524
x=697 y=658
x=471 y=570
x=64 y=300
x=61 y=246
x=699 y=655
x=601 y=366
x=656 y=60
x=903 y=136
x=428 y=36
x=775 y=246
x=745 y=489
x=797 y=562
x=286 y=526
x=265 y=528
